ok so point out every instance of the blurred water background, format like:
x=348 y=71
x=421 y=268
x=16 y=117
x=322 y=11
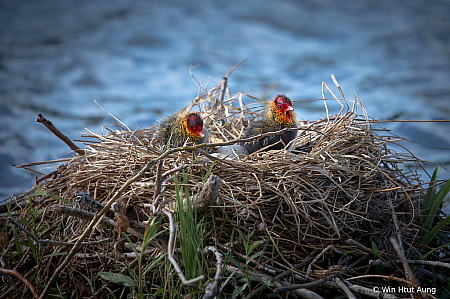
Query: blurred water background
x=134 y=57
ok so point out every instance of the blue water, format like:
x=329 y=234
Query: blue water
x=134 y=57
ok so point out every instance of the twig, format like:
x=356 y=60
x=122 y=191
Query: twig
x=285 y=273
x=343 y=287
x=56 y=243
x=113 y=116
x=394 y=217
x=84 y=198
x=173 y=170
x=418 y=262
x=359 y=245
x=61 y=209
x=206 y=197
x=317 y=282
x=408 y=272
x=211 y=287
x=234 y=141
x=170 y=253
x=223 y=161
x=234 y=67
x=318 y=257
x=303 y=293
x=158 y=179
x=126 y=255
x=94 y=222
x=222 y=90
x=380 y=276
x=41 y=119
x=156 y=209
x=223 y=83
x=21 y=278
x=411 y=121
x=258 y=265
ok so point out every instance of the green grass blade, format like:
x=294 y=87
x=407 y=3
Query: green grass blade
x=376 y=256
x=254 y=256
x=15 y=234
x=253 y=246
x=431 y=192
x=154 y=263
x=151 y=232
x=233 y=260
x=423 y=257
x=238 y=291
x=209 y=171
x=375 y=251
x=132 y=245
x=435 y=230
x=436 y=204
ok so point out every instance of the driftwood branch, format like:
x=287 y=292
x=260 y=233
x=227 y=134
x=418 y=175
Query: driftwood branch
x=41 y=119
x=211 y=287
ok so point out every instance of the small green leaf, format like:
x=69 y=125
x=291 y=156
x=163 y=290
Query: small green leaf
x=151 y=231
x=255 y=256
x=118 y=278
x=234 y=261
x=238 y=291
x=132 y=245
x=253 y=246
x=153 y=264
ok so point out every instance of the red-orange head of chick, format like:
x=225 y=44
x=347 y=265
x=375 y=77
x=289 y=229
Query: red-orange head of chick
x=194 y=126
x=281 y=109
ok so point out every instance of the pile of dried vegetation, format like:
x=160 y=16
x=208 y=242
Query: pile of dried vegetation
x=342 y=218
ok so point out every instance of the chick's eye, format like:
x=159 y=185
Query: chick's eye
x=279 y=107
x=191 y=127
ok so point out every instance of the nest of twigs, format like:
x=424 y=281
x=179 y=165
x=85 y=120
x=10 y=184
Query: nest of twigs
x=317 y=212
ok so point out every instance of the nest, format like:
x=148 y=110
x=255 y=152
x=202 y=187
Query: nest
x=338 y=197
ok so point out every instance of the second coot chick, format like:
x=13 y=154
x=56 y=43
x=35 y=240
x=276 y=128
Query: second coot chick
x=277 y=116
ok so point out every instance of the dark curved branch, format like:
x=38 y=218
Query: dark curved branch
x=41 y=119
